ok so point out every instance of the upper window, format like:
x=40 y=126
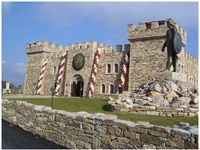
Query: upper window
x=111 y=89
x=108 y=68
x=116 y=68
x=54 y=69
x=103 y=88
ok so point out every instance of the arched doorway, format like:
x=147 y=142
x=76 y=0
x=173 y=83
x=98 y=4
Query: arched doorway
x=77 y=86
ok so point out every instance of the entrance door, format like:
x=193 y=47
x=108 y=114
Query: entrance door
x=77 y=86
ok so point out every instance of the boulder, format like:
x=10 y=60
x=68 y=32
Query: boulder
x=153 y=93
x=170 y=96
x=182 y=102
x=156 y=87
x=160 y=101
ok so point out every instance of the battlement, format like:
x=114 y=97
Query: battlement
x=42 y=46
x=187 y=56
x=152 y=30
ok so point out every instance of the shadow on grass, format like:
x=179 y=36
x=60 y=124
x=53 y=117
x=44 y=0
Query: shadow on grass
x=107 y=107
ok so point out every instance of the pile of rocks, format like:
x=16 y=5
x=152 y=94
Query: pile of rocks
x=159 y=94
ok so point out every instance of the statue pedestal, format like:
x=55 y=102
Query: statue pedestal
x=168 y=75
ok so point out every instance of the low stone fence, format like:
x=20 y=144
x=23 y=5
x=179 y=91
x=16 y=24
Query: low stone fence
x=155 y=111
x=84 y=130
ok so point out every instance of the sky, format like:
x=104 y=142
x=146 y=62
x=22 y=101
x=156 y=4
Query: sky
x=67 y=22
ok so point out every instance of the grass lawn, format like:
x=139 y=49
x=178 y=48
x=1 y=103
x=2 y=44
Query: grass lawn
x=98 y=105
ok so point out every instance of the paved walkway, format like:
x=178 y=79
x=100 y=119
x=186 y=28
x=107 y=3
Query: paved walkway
x=14 y=137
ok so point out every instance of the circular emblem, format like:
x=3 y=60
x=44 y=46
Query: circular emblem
x=177 y=43
x=78 y=62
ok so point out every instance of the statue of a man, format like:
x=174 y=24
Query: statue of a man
x=171 y=54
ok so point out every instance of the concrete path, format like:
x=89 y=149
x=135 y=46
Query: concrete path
x=14 y=137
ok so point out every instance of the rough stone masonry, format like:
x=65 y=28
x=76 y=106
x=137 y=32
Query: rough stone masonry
x=144 y=57
x=96 y=131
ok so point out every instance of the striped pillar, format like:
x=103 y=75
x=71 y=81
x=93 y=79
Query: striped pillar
x=40 y=80
x=124 y=72
x=61 y=71
x=94 y=73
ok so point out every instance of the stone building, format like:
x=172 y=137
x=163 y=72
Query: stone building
x=96 y=69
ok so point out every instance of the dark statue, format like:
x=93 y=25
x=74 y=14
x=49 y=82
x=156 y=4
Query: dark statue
x=173 y=43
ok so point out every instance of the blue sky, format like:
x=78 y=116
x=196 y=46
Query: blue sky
x=64 y=23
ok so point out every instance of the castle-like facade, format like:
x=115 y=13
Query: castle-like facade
x=95 y=69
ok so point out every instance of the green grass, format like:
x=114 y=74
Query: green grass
x=98 y=105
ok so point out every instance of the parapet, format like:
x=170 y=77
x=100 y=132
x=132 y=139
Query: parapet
x=153 y=30
x=42 y=46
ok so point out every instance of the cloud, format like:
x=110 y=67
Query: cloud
x=117 y=14
x=19 y=68
x=3 y=62
x=6 y=7
x=14 y=73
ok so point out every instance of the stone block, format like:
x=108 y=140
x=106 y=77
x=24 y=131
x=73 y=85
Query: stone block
x=131 y=135
x=136 y=144
x=189 y=145
x=150 y=146
x=192 y=114
x=115 y=131
x=157 y=133
x=175 y=143
x=149 y=139
x=168 y=75
x=180 y=133
x=138 y=129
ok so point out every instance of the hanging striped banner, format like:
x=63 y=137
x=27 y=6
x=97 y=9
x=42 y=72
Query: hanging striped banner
x=61 y=71
x=41 y=77
x=94 y=72
x=124 y=72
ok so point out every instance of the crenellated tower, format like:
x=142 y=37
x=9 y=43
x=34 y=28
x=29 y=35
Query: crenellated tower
x=146 y=58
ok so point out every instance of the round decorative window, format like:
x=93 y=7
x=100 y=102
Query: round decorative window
x=78 y=62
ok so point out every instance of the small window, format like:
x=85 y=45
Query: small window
x=148 y=25
x=103 y=88
x=54 y=69
x=182 y=68
x=80 y=47
x=88 y=46
x=161 y=23
x=116 y=68
x=111 y=89
x=108 y=68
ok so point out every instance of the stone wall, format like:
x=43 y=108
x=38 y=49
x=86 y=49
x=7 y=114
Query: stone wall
x=83 y=130
x=154 y=111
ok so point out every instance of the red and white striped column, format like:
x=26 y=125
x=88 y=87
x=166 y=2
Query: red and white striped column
x=61 y=71
x=41 y=77
x=124 y=72
x=94 y=73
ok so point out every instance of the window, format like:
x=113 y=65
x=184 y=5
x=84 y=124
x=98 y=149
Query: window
x=111 y=89
x=54 y=69
x=116 y=68
x=103 y=88
x=88 y=46
x=182 y=69
x=161 y=23
x=108 y=68
x=80 y=47
x=148 y=25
